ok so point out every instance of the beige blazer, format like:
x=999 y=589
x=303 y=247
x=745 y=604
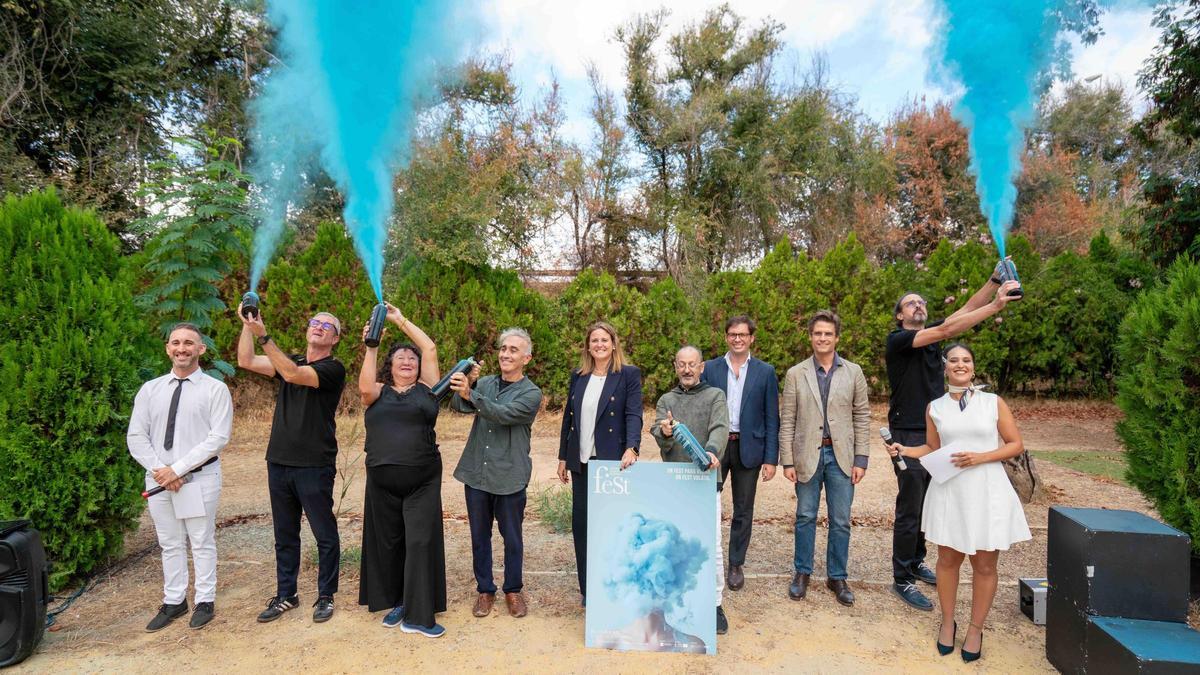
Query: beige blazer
x=800 y=420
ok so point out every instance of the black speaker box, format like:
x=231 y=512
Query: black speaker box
x=1112 y=564
x=1120 y=646
x=24 y=591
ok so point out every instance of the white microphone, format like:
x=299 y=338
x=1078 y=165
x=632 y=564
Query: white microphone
x=887 y=438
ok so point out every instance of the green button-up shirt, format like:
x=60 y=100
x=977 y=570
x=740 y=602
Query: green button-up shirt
x=496 y=457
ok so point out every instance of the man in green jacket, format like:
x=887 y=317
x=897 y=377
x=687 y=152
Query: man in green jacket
x=495 y=465
x=703 y=409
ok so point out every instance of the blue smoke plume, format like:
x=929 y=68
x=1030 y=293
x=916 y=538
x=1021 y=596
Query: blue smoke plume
x=653 y=565
x=344 y=98
x=998 y=51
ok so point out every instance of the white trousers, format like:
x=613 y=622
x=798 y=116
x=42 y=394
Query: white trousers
x=719 y=564
x=174 y=535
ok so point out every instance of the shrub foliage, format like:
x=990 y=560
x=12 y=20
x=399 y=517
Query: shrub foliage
x=69 y=368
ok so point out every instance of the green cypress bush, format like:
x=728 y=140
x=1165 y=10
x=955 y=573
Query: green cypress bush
x=670 y=320
x=464 y=308
x=69 y=368
x=1158 y=389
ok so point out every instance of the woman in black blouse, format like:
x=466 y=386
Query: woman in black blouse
x=403 y=551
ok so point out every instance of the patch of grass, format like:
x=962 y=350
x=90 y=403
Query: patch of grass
x=350 y=562
x=1108 y=465
x=553 y=506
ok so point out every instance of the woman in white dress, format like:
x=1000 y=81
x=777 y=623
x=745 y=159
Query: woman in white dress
x=975 y=513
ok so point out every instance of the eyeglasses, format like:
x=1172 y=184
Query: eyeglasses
x=915 y=303
x=314 y=323
x=737 y=336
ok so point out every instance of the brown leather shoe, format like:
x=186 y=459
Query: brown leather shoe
x=483 y=604
x=516 y=604
x=799 y=586
x=842 y=590
x=735 y=579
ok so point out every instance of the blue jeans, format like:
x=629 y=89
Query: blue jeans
x=839 y=494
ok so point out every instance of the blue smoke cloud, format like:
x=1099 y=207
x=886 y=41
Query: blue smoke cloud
x=997 y=51
x=344 y=97
x=653 y=565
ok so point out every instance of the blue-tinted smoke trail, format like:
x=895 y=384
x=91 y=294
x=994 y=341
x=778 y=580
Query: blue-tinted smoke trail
x=345 y=97
x=653 y=565
x=997 y=50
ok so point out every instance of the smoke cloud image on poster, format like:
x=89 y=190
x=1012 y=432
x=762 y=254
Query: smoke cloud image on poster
x=651 y=558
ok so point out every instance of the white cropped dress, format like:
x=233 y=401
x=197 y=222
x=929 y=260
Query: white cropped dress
x=977 y=510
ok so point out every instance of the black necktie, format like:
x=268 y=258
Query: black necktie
x=169 y=441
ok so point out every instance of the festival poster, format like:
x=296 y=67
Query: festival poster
x=652 y=534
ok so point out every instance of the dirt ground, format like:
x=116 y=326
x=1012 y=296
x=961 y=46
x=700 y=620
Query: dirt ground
x=103 y=630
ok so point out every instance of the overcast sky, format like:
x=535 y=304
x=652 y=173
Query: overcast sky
x=877 y=49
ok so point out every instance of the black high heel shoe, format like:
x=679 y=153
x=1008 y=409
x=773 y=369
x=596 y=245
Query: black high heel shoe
x=945 y=650
x=967 y=656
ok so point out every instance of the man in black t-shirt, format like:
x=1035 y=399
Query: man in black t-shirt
x=301 y=454
x=914 y=368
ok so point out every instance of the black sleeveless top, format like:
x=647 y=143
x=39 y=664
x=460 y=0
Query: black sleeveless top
x=400 y=428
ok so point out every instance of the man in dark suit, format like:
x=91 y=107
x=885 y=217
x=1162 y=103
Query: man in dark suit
x=752 y=393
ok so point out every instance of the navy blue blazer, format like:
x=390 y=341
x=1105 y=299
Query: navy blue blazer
x=758 y=422
x=618 y=417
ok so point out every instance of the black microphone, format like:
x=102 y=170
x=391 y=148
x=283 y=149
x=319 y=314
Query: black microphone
x=887 y=438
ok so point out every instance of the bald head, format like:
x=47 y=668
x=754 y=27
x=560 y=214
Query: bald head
x=689 y=364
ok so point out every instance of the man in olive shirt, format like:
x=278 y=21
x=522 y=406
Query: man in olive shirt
x=301 y=454
x=495 y=465
x=702 y=407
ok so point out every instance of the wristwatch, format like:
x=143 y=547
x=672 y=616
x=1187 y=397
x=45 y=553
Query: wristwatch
x=262 y=341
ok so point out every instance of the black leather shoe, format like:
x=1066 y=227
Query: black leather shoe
x=909 y=594
x=799 y=586
x=842 y=591
x=202 y=615
x=945 y=650
x=323 y=609
x=967 y=656
x=722 y=622
x=925 y=574
x=166 y=614
x=736 y=578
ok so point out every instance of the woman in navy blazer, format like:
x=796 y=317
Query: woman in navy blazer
x=612 y=431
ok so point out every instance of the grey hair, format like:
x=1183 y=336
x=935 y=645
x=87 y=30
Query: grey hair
x=692 y=348
x=516 y=332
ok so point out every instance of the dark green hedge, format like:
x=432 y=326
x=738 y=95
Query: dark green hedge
x=1159 y=391
x=69 y=368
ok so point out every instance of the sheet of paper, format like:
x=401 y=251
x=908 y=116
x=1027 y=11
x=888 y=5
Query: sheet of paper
x=188 y=502
x=938 y=464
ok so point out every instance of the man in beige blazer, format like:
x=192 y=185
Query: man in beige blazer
x=823 y=441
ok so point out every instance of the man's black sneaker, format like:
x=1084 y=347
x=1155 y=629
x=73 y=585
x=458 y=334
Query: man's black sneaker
x=166 y=614
x=323 y=609
x=276 y=606
x=202 y=615
x=925 y=574
x=909 y=594
x=722 y=622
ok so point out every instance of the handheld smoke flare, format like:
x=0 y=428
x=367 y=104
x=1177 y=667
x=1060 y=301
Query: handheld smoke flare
x=250 y=305
x=375 y=326
x=1008 y=272
x=443 y=385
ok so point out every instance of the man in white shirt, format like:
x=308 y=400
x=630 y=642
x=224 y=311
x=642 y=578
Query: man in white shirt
x=180 y=423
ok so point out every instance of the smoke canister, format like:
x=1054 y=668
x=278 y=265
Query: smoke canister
x=1008 y=272
x=689 y=442
x=375 y=326
x=250 y=305
x=443 y=385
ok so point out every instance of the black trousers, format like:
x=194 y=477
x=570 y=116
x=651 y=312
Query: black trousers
x=908 y=541
x=509 y=513
x=404 y=547
x=744 y=483
x=297 y=490
x=579 y=493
